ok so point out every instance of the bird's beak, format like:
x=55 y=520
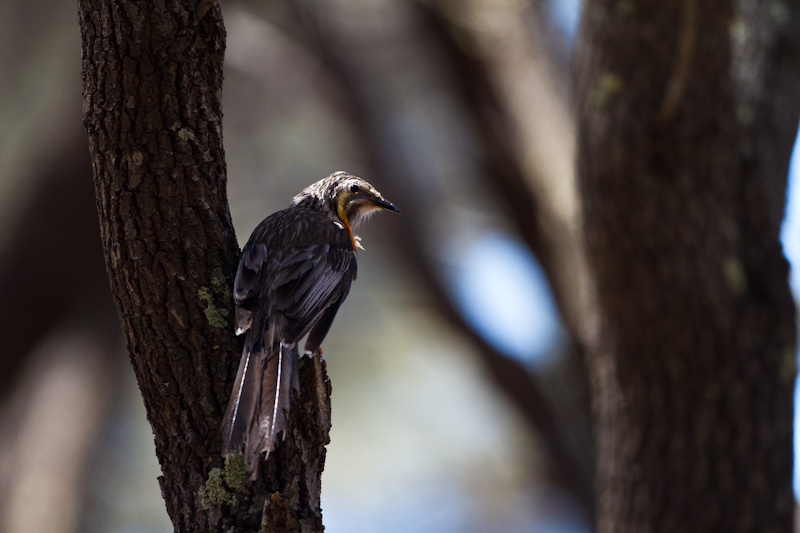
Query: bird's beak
x=383 y=204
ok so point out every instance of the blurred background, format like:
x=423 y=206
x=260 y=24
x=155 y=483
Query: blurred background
x=458 y=112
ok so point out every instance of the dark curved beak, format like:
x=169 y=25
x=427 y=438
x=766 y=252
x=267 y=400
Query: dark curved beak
x=383 y=204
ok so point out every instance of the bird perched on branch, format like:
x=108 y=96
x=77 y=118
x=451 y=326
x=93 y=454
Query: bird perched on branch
x=294 y=273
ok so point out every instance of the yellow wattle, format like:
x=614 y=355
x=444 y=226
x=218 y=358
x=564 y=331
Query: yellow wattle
x=343 y=218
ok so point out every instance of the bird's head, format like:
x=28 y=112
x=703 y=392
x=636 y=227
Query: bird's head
x=354 y=200
x=348 y=198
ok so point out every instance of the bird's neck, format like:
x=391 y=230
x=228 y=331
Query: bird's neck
x=340 y=211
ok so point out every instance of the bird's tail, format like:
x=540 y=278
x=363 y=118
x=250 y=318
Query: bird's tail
x=242 y=404
x=259 y=406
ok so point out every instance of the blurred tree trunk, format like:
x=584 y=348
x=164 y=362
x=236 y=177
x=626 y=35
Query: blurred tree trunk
x=688 y=114
x=152 y=81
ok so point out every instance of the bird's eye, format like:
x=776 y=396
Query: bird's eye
x=354 y=188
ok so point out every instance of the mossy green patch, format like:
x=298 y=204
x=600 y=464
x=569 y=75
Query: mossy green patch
x=788 y=365
x=204 y=293
x=277 y=516
x=185 y=134
x=608 y=86
x=214 y=315
x=214 y=492
x=236 y=470
x=733 y=271
x=219 y=488
x=219 y=284
x=626 y=7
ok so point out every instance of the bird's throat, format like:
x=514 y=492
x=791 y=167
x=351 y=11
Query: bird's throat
x=343 y=218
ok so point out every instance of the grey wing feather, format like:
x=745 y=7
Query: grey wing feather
x=247 y=284
x=320 y=329
x=287 y=283
x=315 y=286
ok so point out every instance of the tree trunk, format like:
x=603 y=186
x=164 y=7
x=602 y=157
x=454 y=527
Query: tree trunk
x=152 y=82
x=688 y=114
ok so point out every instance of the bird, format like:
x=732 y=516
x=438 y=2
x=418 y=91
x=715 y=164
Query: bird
x=293 y=275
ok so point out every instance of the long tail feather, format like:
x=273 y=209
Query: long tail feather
x=274 y=397
x=279 y=377
x=242 y=408
x=244 y=399
x=258 y=411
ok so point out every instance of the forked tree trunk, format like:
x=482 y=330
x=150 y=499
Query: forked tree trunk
x=152 y=82
x=688 y=112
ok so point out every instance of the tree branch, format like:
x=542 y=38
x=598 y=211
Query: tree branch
x=152 y=79
x=693 y=370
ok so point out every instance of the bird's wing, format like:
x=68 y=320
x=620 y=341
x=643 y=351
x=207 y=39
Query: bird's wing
x=310 y=275
x=311 y=278
x=248 y=283
x=323 y=324
x=296 y=265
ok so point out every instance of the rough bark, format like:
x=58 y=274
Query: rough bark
x=152 y=82
x=688 y=112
